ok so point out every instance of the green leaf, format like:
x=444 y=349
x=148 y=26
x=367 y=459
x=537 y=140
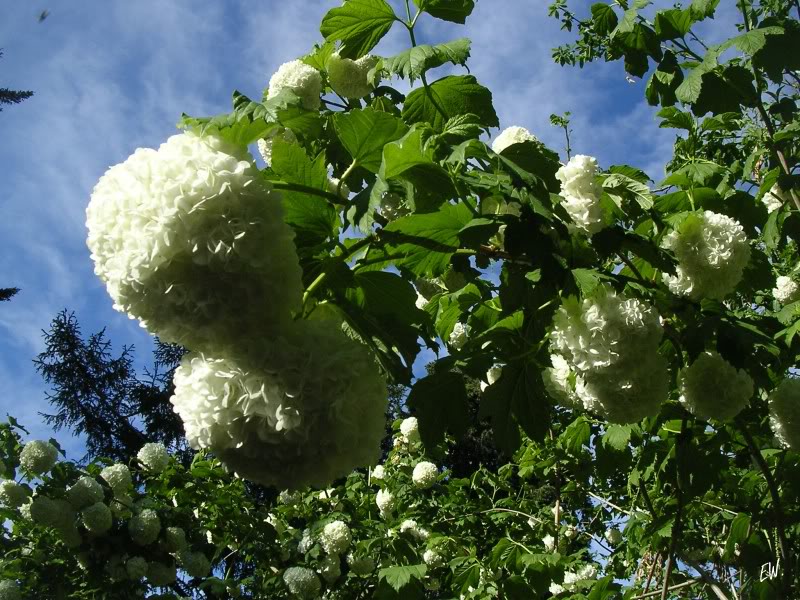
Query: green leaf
x=455 y=11
x=448 y=97
x=617 y=436
x=751 y=41
x=689 y=90
x=740 y=528
x=399 y=577
x=675 y=118
x=674 y=23
x=312 y=217
x=359 y=25
x=461 y=128
x=703 y=9
x=427 y=241
x=364 y=133
x=407 y=152
x=639 y=192
x=587 y=280
x=604 y=18
x=414 y=62
x=440 y=401
x=576 y=435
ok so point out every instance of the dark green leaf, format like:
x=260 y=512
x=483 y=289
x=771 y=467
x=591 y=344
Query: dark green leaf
x=440 y=401
x=365 y=132
x=455 y=11
x=448 y=97
x=414 y=62
x=358 y=24
x=674 y=23
x=604 y=18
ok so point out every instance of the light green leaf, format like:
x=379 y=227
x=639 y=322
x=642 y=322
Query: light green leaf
x=638 y=191
x=406 y=153
x=447 y=97
x=414 y=62
x=359 y=25
x=617 y=436
x=703 y=9
x=455 y=11
x=364 y=133
x=689 y=90
x=751 y=41
x=588 y=280
x=398 y=577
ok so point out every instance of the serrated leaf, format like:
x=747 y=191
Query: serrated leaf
x=689 y=90
x=673 y=23
x=587 y=280
x=399 y=577
x=617 y=436
x=455 y=11
x=703 y=9
x=359 y=25
x=604 y=18
x=752 y=41
x=675 y=118
x=414 y=62
x=576 y=435
x=638 y=191
x=447 y=97
x=460 y=128
x=440 y=402
x=365 y=132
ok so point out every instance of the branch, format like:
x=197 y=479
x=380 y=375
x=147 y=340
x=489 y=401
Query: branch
x=671 y=588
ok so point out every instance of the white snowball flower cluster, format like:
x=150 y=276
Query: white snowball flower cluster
x=12 y=494
x=311 y=413
x=409 y=429
x=265 y=144
x=571 y=578
x=84 y=492
x=774 y=198
x=378 y=473
x=160 y=575
x=786 y=290
x=9 y=590
x=459 y=335
x=613 y=536
x=492 y=375
x=421 y=301
x=412 y=528
x=711 y=388
x=605 y=358
x=335 y=537
x=121 y=506
x=38 y=457
x=510 y=136
x=330 y=568
x=570 y=532
x=144 y=527
x=289 y=498
x=118 y=478
x=302 y=79
x=154 y=456
x=306 y=542
x=424 y=475
x=433 y=559
x=712 y=252
x=386 y=502
x=361 y=565
x=784 y=409
x=190 y=240
x=549 y=543
x=349 y=78
x=175 y=539
x=581 y=193
x=59 y=515
x=97 y=518
x=196 y=564
x=302 y=582
x=136 y=568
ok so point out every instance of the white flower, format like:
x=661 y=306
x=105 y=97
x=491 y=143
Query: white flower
x=459 y=335
x=265 y=144
x=154 y=456
x=378 y=472
x=330 y=568
x=433 y=559
x=97 y=518
x=570 y=532
x=335 y=537
x=189 y=240
x=9 y=590
x=774 y=198
x=175 y=539
x=349 y=78
x=196 y=564
x=786 y=290
x=556 y=589
x=12 y=494
x=492 y=375
x=421 y=302
x=549 y=543
x=118 y=478
x=712 y=252
x=385 y=501
x=136 y=568
x=409 y=429
x=605 y=358
x=361 y=565
x=289 y=498
x=306 y=542
x=711 y=388
x=784 y=411
x=510 y=136
x=84 y=492
x=144 y=527
x=581 y=193
x=613 y=536
x=38 y=457
x=160 y=575
x=311 y=413
x=302 y=582
x=425 y=474
x=300 y=78
x=587 y=572
x=410 y=527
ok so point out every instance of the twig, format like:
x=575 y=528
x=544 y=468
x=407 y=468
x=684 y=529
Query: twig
x=676 y=531
x=611 y=504
x=671 y=588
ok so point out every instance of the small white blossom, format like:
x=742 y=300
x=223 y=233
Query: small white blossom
x=154 y=456
x=411 y=528
x=774 y=198
x=84 y=492
x=378 y=472
x=409 y=428
x=97 y=518
x=570 y=532
x=786 y=290
x=289 y=498
x=265 y=144
x=121 y=506
x=12 y=494
x=581 y=193
x=118 y=478
x=549 y=543
x=300 y=78
x=421 y=302
x=38 y=457
x=492 y=375
x=302 y=582
x=306 y=542
x=510 y=136
x=349 y=78
x=144 y=527
x=459 y=335
x=711 y=388
x=385 y=501
x=335 y=537
x=784 y=410
x=433 y=559
x=613 y=536
x=424 y=475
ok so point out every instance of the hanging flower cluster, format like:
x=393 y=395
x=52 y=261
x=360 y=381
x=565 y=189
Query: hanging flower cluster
x=302 y=582
x=786 y=290
x=425 y=474
x=350 y=78
x=298 y=77
x=711 y=388
x=774 y=198
x=38 y=457
x=154 y=457
x=784 y=413
x=510 y=136
x=605 y=357
x=581 y=193
x=335 y=537
x=712 y=252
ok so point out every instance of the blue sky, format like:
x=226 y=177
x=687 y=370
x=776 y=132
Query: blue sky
x=113 y=76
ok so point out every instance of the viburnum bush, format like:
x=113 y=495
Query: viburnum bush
x=631 y=338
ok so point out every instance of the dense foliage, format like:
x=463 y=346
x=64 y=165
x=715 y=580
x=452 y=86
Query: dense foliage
x=634 y=339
